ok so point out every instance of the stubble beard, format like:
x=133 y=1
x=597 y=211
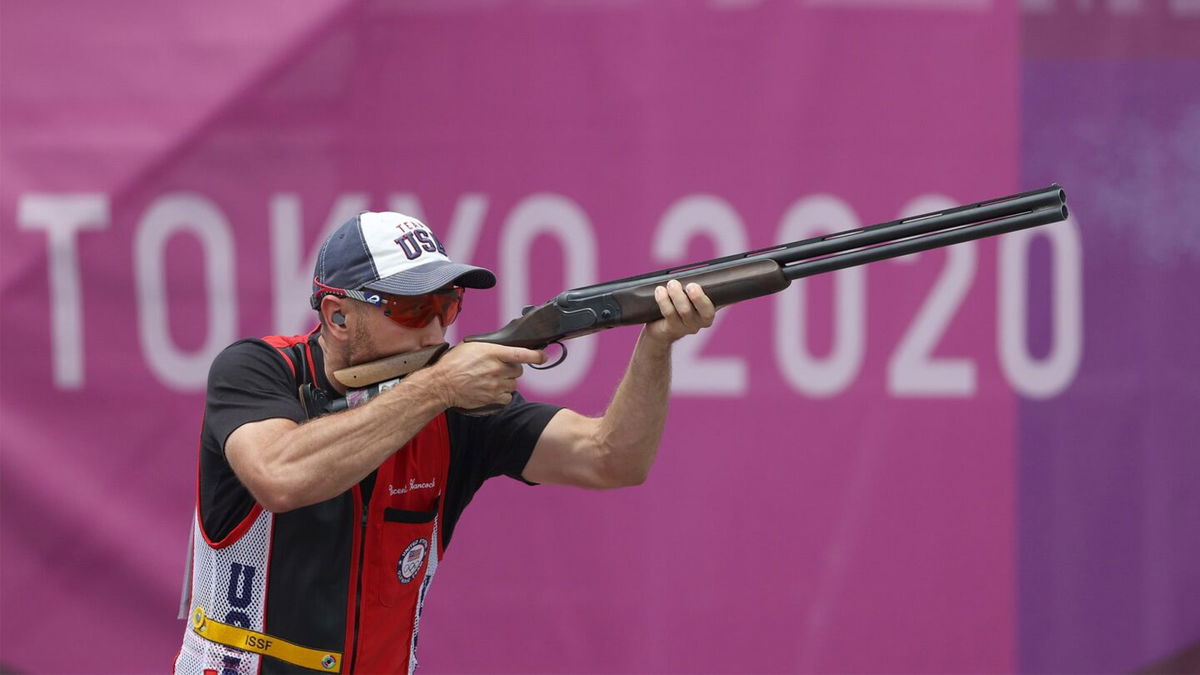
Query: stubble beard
x=361 y=347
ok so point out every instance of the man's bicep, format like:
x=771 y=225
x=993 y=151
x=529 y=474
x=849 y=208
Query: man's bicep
x=567 y=452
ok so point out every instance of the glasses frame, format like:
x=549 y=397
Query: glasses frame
x=394 y=306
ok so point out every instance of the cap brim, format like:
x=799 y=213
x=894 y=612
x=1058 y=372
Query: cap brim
x=432 y=276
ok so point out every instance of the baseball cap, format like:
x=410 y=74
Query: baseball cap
x=389 y=252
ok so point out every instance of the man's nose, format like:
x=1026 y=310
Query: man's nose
x=434 y=333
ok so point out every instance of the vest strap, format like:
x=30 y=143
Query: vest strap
x=261 y=643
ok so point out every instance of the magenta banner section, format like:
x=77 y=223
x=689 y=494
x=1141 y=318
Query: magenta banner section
x=835 y=491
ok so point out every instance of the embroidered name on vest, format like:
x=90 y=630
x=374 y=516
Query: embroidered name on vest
x=412 y=485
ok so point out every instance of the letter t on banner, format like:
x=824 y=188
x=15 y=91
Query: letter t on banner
x=62 y=216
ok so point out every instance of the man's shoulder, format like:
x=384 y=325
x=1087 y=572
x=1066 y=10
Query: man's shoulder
x=284 y=341
x=248 y=349
x=271 y=353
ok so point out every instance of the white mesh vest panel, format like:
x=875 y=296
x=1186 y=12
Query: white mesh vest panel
x=230 y=584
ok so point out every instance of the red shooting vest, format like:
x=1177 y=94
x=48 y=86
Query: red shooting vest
x=332 y=587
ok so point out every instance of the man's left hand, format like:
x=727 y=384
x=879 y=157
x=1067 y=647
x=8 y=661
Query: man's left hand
x=685 y=310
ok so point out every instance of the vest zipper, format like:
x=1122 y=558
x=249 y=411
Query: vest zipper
x=362 y=549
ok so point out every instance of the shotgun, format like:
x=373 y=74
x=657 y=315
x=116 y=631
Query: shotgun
x=726 y=280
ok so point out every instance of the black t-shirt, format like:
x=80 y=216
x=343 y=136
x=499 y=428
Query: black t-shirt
x=249 y=381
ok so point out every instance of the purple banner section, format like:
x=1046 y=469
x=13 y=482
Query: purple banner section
x=836 y=488
x=1108 y=500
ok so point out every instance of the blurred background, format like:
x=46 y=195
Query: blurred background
x=981 y=459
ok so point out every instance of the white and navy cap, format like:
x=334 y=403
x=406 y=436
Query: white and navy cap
x=388 y=252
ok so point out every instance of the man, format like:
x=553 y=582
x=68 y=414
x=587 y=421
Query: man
x=316 y=538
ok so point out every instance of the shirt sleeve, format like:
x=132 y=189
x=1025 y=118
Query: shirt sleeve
x=249 y=382
x=485 y=447
x=501 y=444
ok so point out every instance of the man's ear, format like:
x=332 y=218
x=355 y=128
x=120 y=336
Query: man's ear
x=333 y=312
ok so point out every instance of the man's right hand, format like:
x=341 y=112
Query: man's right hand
x=478 y=374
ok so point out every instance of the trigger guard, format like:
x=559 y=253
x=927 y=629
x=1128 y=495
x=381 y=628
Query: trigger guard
x=561 y=358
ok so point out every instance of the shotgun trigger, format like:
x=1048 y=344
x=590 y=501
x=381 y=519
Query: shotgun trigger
x=562 y=357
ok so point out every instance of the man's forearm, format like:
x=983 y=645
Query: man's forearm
x=320 y=459
x=632 y=427
x=287 y=466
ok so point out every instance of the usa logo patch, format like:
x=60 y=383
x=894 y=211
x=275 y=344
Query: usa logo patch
x=410 y=561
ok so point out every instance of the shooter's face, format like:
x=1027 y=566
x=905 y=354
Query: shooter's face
x=374 y=336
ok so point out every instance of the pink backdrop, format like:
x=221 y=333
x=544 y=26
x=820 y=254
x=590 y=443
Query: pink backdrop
x=168 y=172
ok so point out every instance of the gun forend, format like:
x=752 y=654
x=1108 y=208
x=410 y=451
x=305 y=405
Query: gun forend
x=724 y=286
